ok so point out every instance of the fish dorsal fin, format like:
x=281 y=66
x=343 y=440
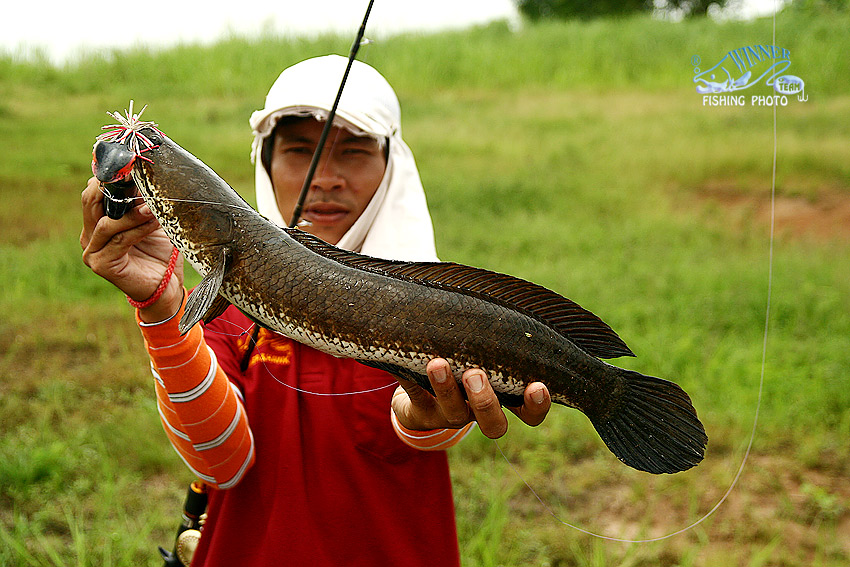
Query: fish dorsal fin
x=577 y=324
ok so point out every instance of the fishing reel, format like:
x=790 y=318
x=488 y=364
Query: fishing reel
x=189 y=532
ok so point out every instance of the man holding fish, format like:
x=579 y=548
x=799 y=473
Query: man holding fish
x=310 y=458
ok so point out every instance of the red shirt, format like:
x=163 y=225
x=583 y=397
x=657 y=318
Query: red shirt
x=332 y=484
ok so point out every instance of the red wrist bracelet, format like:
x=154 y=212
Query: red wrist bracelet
x=169 y=271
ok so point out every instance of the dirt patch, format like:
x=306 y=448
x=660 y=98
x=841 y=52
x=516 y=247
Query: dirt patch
x=781 y=513
x=825 y=216
x=777 y=496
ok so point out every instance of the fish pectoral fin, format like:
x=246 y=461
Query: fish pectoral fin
x=204 y=302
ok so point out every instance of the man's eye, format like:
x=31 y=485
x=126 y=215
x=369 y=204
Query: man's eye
x=298 y=150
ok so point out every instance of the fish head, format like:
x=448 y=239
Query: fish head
x=193 y=205
x=712 y=87
x=112 y=161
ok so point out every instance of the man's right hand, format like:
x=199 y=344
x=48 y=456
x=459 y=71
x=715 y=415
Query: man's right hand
x=132 y=253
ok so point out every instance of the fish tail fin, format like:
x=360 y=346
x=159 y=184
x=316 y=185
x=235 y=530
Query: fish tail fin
x=655 y=427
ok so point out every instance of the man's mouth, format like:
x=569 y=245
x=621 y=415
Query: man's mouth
x=324 y=213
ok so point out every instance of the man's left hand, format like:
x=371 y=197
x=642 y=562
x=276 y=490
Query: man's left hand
x=417 y=409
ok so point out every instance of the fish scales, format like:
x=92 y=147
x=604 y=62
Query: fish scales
x=351 y=308
x=399 y=315
x=347 y=319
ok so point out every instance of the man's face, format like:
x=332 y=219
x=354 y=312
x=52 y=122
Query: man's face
x=346 y=178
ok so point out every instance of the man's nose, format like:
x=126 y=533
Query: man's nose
x=328 y=176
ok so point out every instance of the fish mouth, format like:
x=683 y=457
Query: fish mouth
x=112 y=165
x=119 y=197
x=325 y=213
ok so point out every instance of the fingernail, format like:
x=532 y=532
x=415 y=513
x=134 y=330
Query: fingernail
x=538 y=396
x=440 y=375
x=145 y=210
x=475 y=382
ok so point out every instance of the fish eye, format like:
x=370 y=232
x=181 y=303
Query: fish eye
x=154 y=137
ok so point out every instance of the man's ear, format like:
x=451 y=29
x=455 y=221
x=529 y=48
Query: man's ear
x=266 y=153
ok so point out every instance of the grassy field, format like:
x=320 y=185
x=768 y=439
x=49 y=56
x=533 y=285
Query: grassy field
x=575 y=155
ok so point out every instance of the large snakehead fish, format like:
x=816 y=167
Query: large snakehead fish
x=395 y=315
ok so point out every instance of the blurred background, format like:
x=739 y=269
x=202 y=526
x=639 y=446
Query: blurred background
x=62 y=32
x=563 y=146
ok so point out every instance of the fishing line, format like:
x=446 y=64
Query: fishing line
x=201 y=202
x=748 y=450
x=176 y=200
x=393 y=384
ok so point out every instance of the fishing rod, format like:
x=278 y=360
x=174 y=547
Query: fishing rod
x=296 y=213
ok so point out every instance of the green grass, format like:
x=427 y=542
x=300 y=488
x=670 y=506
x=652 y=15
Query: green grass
x=576 y=155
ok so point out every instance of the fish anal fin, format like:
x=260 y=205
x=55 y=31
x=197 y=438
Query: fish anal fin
x=204 y=302
x=577 y=324
x=400 y=372
x=507 y=400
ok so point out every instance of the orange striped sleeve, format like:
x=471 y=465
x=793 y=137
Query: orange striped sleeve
x=433 y=440
x=200 y=409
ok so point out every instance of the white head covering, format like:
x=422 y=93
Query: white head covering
x=396 y=223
